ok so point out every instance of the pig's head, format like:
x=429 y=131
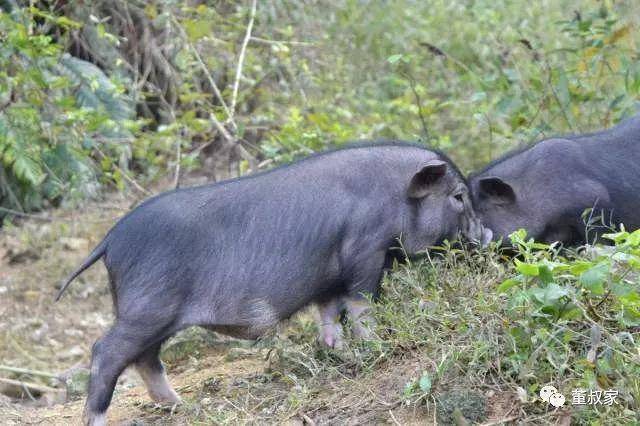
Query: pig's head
x=500 y=209
x=542 y=189
x=547 y=215
x=440 y=208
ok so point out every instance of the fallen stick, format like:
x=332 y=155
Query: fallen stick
x=21 y=386
x=501 y=421
x=27 y=215
x=28 y=372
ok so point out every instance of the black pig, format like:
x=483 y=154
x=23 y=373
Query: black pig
x=546 y=188
x=239 y=256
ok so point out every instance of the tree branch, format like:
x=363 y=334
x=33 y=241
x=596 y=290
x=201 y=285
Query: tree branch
x=125 y=175
x=243 y=51
x=17 y=384
x=205 y=70
x=19 y=370
x=27 y=215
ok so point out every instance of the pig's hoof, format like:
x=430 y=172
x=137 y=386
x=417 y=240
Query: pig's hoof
x=332 y=341
x=167 y=396
x=158 y=385
x=338 y=345
x=96 y=419
x=363 y=333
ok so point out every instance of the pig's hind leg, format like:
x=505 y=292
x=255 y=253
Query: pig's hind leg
x=125 y=343
x=152 y=372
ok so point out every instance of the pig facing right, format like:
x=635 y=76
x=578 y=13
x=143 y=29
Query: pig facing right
x=239 y=256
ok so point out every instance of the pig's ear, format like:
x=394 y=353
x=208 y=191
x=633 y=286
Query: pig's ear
x=496 y=190
x=426 y=179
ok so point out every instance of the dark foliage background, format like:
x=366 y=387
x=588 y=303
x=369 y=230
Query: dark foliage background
x=113 y=94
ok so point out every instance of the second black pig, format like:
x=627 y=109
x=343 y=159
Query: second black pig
x=546 y=188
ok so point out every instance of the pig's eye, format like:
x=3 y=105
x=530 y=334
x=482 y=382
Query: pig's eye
x=458 y=202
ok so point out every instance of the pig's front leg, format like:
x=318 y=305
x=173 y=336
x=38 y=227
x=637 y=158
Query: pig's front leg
x=364 y=283
x=331 y=333
x=359 y=311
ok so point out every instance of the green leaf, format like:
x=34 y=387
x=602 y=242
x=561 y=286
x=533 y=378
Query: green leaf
x=394 y=58
x=507 y=284
x=550 y=294
x=617 y=237
x=408 y=389
x=579 y=267
x=540 y=246
x=572 y=313
x=634 y=238
x=630 y=298
x=593 y=279
x=28 y=170
x=545 y=275
x=528 y=269
x=630 y=317
x=197 y=28
x=517 y=237
x=425 y=383
x=68 y=23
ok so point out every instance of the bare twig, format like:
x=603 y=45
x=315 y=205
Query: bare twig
x=393 y=418
x=308 y=420
x=27 y=215
x=176 y=178
x=27 y=355
x=501 y=421
x=291 y=42
x=205 y=70
x=28 y=372
x=223 y=131
x=232 y=142
x=556 y=97
x=29 y=386
x=416 y=95
x=213 y=85
x=243 y=51
x=125 y=175
x=440 y=52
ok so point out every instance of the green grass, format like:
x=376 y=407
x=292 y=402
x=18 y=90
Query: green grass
x=455 y=337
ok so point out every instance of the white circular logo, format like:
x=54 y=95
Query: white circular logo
x=546 y=392
x=557 y=400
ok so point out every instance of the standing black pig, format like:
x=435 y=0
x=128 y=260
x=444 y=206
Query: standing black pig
x=546 y=188
x=239 y=256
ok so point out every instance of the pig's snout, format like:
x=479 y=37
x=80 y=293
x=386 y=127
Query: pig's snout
x=479 y=234
x=487 y=236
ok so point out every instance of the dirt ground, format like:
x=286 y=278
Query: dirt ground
x=221 y=380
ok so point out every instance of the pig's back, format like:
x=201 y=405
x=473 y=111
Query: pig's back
x=243 y=228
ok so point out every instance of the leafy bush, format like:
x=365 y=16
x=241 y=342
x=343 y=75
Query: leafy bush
x=312 y=78
x=54 y=110
x=475 y=79
x=572 y=318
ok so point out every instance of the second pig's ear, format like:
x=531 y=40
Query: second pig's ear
x=496 y=190
x=427 y=179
